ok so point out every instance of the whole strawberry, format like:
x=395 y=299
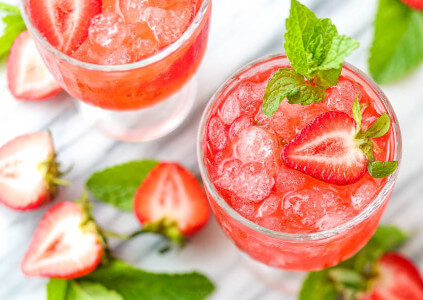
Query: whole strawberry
x=28 y=171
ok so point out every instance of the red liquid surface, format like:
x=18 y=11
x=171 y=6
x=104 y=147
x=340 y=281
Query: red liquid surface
x=125 y=32
x=243 y=158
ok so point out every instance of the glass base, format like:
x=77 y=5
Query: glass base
x=145 y=124
x=287 y=282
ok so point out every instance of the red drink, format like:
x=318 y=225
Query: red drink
x=135 y=56
x=276 y=214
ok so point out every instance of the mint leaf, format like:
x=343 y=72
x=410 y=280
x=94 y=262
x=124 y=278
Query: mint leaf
x=286 y=83
x=13 y=26
x=60 y=289
x=117 y=185
x=397 y=46
x=346 y=279
x=380 y=169
x=357 y=113
x=327 y=78
x=380 y=127
x=313 y=44
x=133 y=283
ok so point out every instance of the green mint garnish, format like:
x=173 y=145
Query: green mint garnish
x=117 y=185
x=379 y=128
x=316 y=52
x=119 y=280
x=397 y=45
x=351 y=277
x=13 y=25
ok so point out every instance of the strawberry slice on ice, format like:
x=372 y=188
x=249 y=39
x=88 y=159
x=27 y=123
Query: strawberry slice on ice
x=27 y=74
x=64 y=244
x=326 y=150
x=416 y=4
x=64 y=23
x=28 y=171
x=170 y=201
x=397 y=279
x=335 y=149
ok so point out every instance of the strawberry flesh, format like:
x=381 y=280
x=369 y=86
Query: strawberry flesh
x=60 y=248
x=398 y=279
x=64 y=23
x=326 y=150
x=22 y=185
x=172 y=192
x=27 y=75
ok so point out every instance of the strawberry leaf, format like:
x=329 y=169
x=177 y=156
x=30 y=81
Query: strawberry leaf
x=286 y=83
x=117 y=185
x=357 y=113
x=380 y=169
x=397 y=45
x=380 y=127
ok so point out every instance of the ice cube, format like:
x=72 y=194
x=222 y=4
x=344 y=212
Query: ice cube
x=247 y=210
x=132 y=10
x=230 y=110
x=341 y=96
x=364 y=194
x=289 y=180
x=253 y=183
x=269 y=206
x=273 y=223
x=256 y=144
x=239 y=125
x=334 y=219
x=250 y=97
x=107 y=30
x=217 y=134
x=226 y=173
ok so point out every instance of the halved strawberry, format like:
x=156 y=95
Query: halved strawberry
x=28 y=171
x=170 y=201
x=397 y=279
x=64 y=244
x=27 y=74
x=64 y=23
x=416 y=4
x=326 y=150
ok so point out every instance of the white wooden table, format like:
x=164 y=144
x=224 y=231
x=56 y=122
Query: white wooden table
x=241 y=30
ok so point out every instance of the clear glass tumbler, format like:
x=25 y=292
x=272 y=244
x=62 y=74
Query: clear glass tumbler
x=138 y=101
x=268 y=252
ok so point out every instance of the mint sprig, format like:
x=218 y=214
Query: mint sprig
x=397 y=46
x=380 y=127
x=118 y=280
x=117 y=185
x=316 y=52
x=13 y=25
x=351 y=277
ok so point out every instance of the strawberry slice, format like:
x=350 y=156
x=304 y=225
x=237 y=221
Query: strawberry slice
x=27 y=74
x=398 y=279
x=170 y=201
x=416 y=4
x=64 y=23
x=326 y=150
x=28 y=171
x=64 y=244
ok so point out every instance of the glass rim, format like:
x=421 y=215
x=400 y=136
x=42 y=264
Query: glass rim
x=363 y=215
x=201 y=13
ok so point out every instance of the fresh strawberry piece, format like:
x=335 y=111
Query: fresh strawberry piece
x=171 y=196
x=64 y=23
x=64 y=244
x=398 y=279
x=326 y=149
x=416 y=4
x=28 y=171
x=27 y=74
